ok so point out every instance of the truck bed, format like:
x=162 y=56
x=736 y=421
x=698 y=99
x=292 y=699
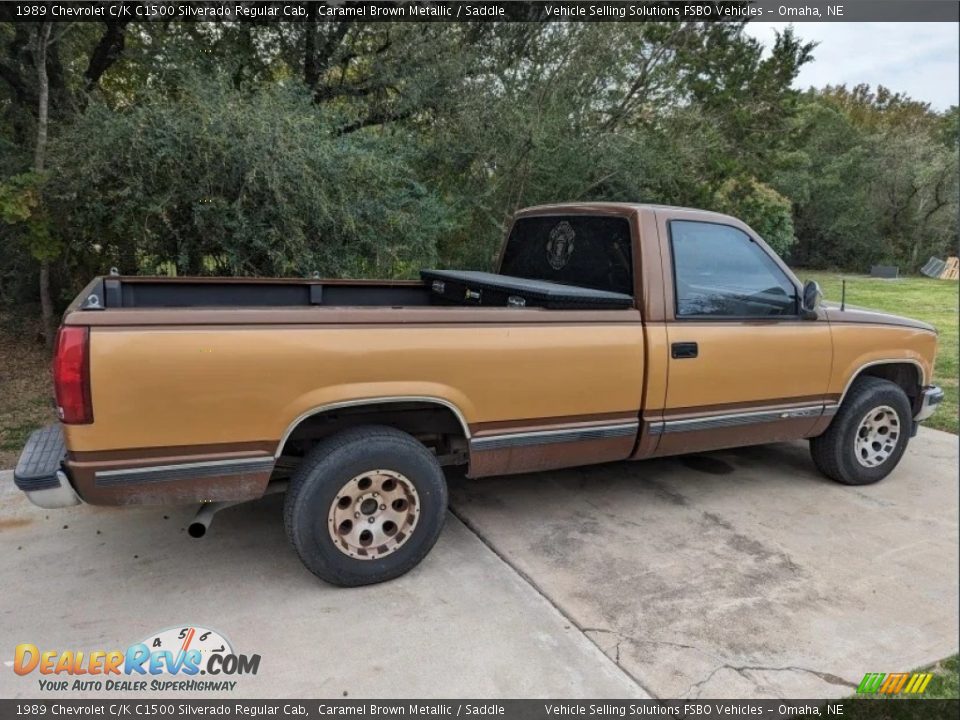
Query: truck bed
x=116 y=292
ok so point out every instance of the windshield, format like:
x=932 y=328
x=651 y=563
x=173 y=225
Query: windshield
x=583 y=250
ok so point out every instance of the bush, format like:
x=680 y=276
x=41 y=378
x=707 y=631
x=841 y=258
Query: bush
x=254 y=182
x=762 y=208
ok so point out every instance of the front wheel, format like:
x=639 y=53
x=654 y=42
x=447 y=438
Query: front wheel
x=365 y=506
x=868 y=436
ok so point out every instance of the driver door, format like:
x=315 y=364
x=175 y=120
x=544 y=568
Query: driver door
x=744 y=367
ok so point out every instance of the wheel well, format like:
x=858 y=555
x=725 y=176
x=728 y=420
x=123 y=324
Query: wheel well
x=904 y=374
x=436 y=426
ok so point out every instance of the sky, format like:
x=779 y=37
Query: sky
x=919 y=59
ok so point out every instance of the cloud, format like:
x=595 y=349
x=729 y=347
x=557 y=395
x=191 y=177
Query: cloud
x=919 y=59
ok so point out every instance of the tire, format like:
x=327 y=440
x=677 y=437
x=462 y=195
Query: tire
x=336 y=471
x=839 y=456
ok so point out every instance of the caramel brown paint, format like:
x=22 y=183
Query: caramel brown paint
x=192 y=385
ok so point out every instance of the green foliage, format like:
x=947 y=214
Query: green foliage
x=761 y=207
x=368 y=149
x=240 y=182
x=602 y=112
x=21 y=207
x=873 y=179
x=19 y=198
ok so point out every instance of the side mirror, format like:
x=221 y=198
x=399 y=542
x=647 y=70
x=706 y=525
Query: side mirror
x=812 y=295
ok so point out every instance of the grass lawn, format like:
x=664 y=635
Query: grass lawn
x=933 y=301
x=946 y=679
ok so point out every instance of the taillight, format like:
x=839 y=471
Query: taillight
x=71 y=375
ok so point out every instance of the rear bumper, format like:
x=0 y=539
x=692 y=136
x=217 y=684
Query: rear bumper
x=930 y=399
x=40 y=472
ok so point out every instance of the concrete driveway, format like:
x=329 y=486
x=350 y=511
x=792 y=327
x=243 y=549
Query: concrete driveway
x=739 y=573
x=462 y=624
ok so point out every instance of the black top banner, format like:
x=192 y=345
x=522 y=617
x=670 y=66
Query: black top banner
x=483 y=11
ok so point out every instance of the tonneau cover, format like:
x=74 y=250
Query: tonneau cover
x=471 y=287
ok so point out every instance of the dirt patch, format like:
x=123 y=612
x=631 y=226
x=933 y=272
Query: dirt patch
x=26 y=390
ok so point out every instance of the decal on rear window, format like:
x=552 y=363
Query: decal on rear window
x=560 y=245
x=589 y=251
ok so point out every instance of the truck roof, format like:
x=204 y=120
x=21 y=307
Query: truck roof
x=616 y=208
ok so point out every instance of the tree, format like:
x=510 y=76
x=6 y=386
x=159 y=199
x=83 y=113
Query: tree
x=256 y=181
x=356 y=148
x=39 y=89
x=40 y=42
x=874 y=180
x=760 y=206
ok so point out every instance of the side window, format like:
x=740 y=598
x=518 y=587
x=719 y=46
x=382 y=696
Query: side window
x=718 y=271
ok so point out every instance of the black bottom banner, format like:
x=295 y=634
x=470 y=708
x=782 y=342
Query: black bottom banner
x=852 y=709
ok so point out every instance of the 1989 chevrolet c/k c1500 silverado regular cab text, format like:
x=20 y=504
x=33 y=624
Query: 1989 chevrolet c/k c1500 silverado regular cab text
x=609 y=332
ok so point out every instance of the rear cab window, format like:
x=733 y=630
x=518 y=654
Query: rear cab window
x=587 y=251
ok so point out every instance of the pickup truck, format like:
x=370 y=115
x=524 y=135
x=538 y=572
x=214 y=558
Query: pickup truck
x=609 y=332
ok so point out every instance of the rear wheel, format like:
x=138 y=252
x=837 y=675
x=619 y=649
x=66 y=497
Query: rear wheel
x=868 y=436
x=365 y=506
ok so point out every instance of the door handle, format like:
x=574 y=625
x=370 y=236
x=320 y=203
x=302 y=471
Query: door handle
x=683 y=350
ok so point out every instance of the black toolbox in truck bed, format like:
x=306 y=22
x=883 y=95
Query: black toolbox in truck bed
x=470 y=287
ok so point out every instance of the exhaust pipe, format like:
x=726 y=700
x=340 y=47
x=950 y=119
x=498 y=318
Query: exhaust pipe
x=201 y=521
x=203 y=518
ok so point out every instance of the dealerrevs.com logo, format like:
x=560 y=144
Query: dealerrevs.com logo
x=170 y=660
